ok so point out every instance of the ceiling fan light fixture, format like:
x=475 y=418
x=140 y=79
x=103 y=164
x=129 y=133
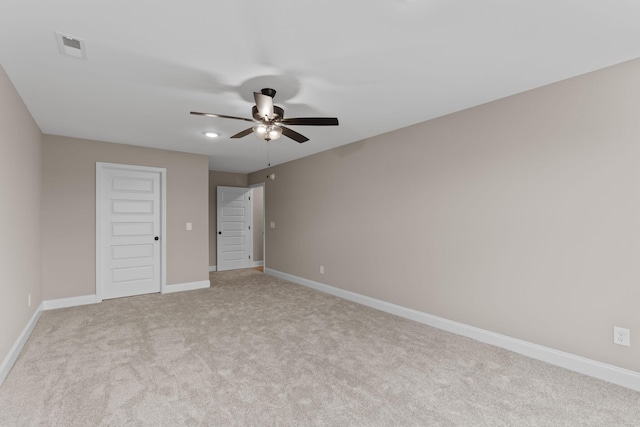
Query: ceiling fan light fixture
x=275 y=132
x=267 y=132
x=211 y=134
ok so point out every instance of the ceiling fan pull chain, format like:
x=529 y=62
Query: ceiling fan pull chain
x=268 y=153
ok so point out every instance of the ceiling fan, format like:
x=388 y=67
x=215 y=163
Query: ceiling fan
x=270 y=119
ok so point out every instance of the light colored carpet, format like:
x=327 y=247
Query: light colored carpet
x=256 y=350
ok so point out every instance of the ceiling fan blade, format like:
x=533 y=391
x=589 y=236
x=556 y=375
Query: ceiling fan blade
x=243 y=133
x=310 y=121
x=221 y=116
x=264 y=103
x=294 y=135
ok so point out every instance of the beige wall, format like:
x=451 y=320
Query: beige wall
x=69 y=171
x=521 y=216
x=20 y=192
x=227 y=179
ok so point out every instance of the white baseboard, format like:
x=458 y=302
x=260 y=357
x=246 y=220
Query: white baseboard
x=255 y=264
x=186 y=286
x=53 y=304
x=12 y=356
x=603 y=371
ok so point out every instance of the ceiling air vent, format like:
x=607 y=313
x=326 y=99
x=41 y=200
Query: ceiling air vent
x=71 y=46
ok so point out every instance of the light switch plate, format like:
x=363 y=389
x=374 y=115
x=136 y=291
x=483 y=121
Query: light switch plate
x=189 y=226
x=272 y=225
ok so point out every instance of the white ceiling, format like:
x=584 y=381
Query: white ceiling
x=377 y=65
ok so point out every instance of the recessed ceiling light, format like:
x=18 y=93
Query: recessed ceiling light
x=211 y=134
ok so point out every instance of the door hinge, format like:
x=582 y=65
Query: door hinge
x=249 y=227
x=249 y=256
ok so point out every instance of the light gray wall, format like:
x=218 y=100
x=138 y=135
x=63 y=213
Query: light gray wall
x=68 y=239
x=227 y=179
x=20 y=194
x=521 y=216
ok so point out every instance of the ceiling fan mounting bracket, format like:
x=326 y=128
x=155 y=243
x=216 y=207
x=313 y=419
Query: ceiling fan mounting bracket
x=269 y=92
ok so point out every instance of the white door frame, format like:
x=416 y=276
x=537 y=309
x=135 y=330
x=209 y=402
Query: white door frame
x=100 y=167
x=264 y=221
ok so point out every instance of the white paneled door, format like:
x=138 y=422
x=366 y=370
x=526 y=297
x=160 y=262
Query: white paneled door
x=235 y=238
x=129 y=230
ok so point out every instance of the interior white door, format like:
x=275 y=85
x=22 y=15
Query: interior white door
x=235 y=240
x=130 y=225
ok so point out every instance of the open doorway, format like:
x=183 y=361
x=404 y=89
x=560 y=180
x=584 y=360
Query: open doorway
x=239 y=232
x=258 y=226
x=235 y=228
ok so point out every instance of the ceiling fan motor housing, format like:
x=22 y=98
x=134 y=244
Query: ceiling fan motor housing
x=278 y=113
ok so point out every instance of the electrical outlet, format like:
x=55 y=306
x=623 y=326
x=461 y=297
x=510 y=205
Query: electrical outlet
x=622 y=336
x=322 y=269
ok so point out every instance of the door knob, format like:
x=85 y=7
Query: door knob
x=156 y=238
x=219 y=232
